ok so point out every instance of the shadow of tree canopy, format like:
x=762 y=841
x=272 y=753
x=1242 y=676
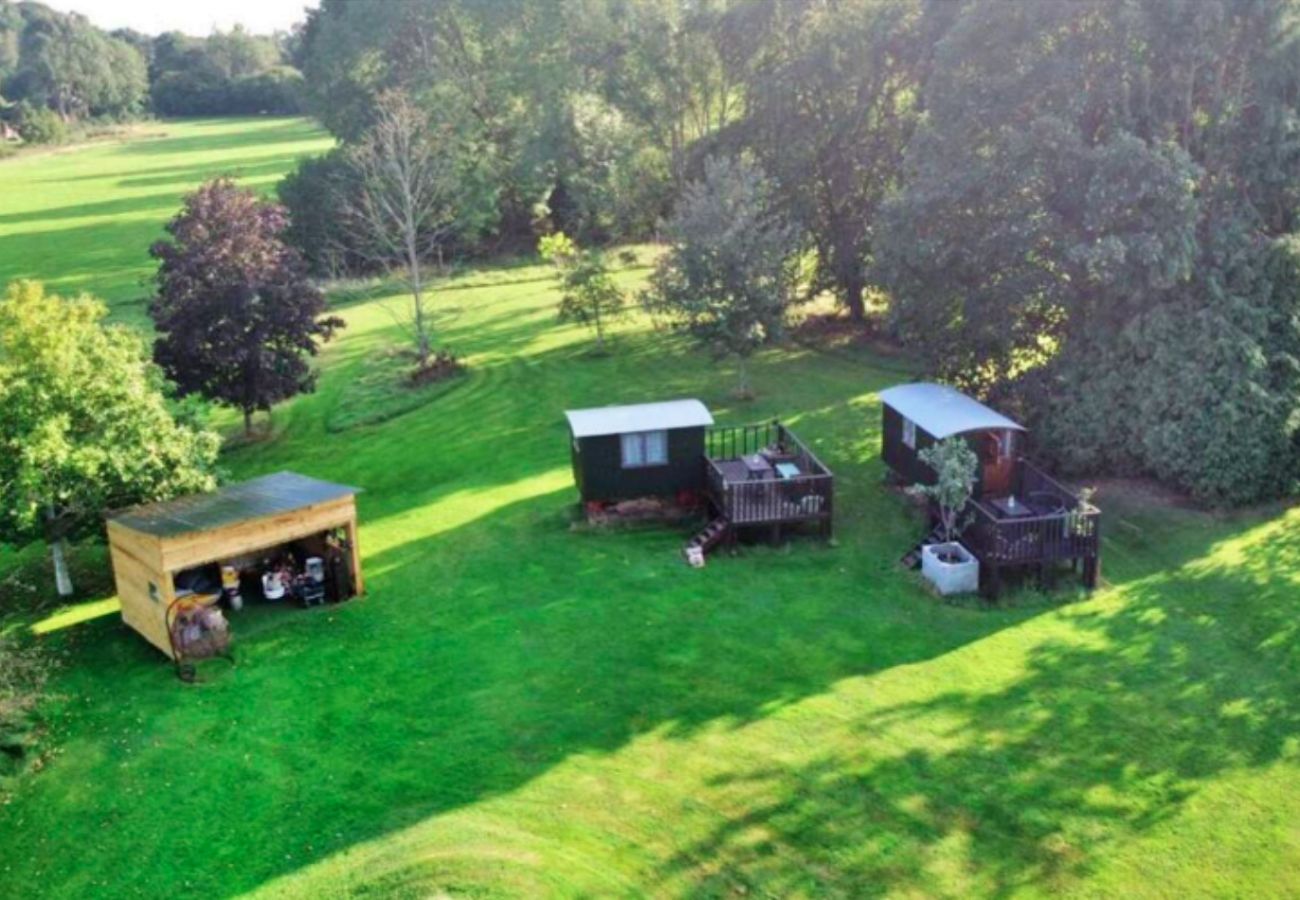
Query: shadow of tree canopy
x=1109 y=730
x=259 y=134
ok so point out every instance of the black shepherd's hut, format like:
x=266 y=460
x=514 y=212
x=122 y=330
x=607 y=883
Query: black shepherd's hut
x=643 y=450
x=1019 y=516
x=918 y=415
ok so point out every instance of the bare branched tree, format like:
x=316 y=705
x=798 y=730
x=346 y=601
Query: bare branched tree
x=402 y=207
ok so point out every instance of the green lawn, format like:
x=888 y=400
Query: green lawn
x=517 y=709
x=82 y=218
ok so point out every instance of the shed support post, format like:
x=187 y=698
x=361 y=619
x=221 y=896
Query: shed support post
x=354 y=548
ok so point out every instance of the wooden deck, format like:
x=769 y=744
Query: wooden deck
x=1058 y=527
x=764 y=475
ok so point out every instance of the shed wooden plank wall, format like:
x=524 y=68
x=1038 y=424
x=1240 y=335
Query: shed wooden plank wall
x=900 y=457
x=137 y=563
x=906 y=461
x=202 y=547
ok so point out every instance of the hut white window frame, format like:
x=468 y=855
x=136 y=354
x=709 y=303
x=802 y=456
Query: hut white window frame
x=644 y=449
x=909 y=433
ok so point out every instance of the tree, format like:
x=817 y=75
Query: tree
x=315 y=194
x=1098 y=226
x=40 y=125
x=590 y=296
x=403 y=204
x=237 y=316
x=74 y=68
x=85 y=425
x=555 y=101
x=955 y=467
x=726 y=278
x=225 y=73
x=831 y=94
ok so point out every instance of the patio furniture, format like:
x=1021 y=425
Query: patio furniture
x=757 y=467
x=1011 y=508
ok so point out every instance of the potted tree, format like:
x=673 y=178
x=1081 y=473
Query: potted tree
x=949 y=566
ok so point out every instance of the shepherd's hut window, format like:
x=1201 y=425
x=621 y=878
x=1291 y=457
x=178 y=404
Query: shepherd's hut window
x=645 y=448
x=909 y=433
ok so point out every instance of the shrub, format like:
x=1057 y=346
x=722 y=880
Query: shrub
x=311 y=194
x=39 y=125
x=275 y=92
x=188 y=94
x=589 y=295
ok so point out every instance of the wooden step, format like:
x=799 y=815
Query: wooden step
x=912 y=558
x=709 y=536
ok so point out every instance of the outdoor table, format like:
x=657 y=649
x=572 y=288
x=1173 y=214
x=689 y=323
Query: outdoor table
x=1006 y=510
x=787 y=470
x=756 y=466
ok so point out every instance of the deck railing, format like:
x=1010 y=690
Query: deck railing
x=804 y=497
x=807 y=496
x=745 y=440
x=735 y=442
x=1065 y=526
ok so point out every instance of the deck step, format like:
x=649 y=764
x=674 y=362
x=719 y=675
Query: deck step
x=708 y=537
x=912 y=558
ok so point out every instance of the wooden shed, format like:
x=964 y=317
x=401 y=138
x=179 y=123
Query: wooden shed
x=642 y=450
x=152 y=544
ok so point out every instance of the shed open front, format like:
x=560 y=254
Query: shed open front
x=167 y=557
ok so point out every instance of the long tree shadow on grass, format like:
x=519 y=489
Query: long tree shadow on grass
x=259 y=134
x=1191 y=675
x=163 y=201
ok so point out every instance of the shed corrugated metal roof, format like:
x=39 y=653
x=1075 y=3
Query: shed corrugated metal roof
x=943 y=411
x=638 y=417
x=266 y=496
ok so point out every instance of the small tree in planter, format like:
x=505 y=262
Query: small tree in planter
x=949 y=565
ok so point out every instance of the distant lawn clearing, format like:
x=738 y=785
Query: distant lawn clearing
x=82 y=218
x=517 y=709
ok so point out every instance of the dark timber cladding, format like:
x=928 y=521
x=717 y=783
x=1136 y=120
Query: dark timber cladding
x=642 y=450
x=1018 y=515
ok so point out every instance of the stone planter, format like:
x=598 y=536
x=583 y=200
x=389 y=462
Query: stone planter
x=958 y=577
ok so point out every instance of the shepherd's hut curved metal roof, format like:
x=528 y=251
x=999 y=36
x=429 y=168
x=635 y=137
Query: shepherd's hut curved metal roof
x=943 y=411
x=605 y=420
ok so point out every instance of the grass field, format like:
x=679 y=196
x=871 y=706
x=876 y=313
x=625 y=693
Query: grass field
x=82 y=218
x=517 y=709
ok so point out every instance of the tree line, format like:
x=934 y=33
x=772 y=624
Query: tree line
x=57 y=70
x=1085 y=211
